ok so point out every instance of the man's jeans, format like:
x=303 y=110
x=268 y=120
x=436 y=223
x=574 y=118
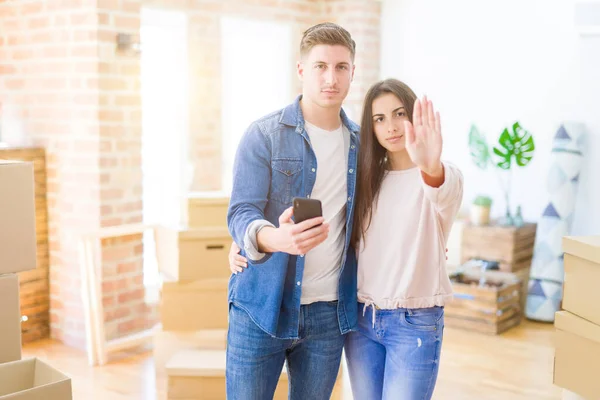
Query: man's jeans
x=255 y=359
x=395 y=354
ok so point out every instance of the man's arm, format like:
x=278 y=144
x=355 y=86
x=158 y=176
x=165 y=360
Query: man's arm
x=251 y=183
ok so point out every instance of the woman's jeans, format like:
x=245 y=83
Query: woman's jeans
x=395 y=354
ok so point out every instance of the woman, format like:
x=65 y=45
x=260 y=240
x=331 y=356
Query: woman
x=406 y=203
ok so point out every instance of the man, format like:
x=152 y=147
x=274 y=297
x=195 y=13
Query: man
x=297 y=299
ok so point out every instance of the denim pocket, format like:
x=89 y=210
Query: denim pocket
x=284 y=172
x=425 y=319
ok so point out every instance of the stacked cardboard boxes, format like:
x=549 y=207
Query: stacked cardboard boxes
x=29 y=379
x=203 y=371
x=577 y=357
x=191 y=347
x=195 y=270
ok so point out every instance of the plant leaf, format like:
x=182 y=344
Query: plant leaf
x=478 y=147
x=518 y=144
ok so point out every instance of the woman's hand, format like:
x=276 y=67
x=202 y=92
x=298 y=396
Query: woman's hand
x=424 y=139
x=237 y=263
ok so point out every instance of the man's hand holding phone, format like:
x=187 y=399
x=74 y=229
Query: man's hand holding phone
x=293 y=238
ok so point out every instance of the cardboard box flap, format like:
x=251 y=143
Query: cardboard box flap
x=587 y=247
x=24 y=375
x=201 y=363
x=568 y=322
x=208 y=198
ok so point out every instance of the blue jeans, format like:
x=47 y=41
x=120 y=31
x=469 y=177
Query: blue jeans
x=255 y=359
x=396 y=354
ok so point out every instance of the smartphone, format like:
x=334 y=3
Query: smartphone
x=306 y=209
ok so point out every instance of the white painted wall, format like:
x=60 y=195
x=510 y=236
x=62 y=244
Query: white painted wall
x=491 y=63
x=256 y=71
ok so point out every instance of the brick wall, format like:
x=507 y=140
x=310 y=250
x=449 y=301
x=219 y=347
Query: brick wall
x=120 y=121
x=80 y=99
x=49 y=63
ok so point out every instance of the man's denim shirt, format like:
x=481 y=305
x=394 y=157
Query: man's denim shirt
x=274 y=164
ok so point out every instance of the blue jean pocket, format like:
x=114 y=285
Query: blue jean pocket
x=424 y=319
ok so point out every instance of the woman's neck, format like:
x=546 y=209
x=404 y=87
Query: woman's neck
x=399 y=161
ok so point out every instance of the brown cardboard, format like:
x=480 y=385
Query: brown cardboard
x=587 y=247
x=17 y=217
x=201 y=375
x=207 y=209
x=168 y=343
x=581 y=295
x=577 y=357
x=194 y=253
x=193 y=306
x=10 y=319
x=32 y=379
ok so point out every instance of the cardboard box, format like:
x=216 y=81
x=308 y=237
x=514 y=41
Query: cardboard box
x=193 y=306
x=33 y=379
x=193 y=254
x=207 y=209
x=168 y=343
x=582 y=274
x=577 y=357
x=17 y=217
x=201 y=375
x=10 y=319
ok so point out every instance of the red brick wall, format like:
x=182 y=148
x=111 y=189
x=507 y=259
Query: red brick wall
x=120 y=121
x=49 y=65
x=80 y=99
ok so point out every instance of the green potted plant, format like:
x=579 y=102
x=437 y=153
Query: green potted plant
x=480 y=210
x=515 y=149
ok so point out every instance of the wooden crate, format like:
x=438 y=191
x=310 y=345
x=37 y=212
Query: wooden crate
x=34 y=287
x=490 y=308
x=511 y=246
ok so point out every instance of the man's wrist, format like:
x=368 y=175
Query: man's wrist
x=263 y=240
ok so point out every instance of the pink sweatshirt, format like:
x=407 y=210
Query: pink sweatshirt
x=402 y=262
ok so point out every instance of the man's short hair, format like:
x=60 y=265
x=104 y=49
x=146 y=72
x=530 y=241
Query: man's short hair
x=326 y=33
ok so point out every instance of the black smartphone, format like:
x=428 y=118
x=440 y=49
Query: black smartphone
x=306 y=209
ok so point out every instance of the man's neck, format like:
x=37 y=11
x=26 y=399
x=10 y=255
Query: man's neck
x=325 y=118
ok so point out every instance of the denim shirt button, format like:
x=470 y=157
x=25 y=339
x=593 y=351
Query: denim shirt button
x=308 y=196
x=349 y=198
x=351 y=170
x=352 y=147
x=313 y=170
x=298 y=283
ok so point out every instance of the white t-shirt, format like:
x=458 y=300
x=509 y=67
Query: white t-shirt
x=323 y=263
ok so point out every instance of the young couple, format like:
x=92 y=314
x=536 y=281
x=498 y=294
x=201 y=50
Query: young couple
x=369 y=276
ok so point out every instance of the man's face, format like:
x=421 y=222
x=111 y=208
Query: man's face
x=326 y=73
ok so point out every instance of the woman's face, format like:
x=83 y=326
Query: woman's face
x=388 y=122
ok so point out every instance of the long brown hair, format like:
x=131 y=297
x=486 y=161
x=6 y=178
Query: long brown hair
x=371 y=157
